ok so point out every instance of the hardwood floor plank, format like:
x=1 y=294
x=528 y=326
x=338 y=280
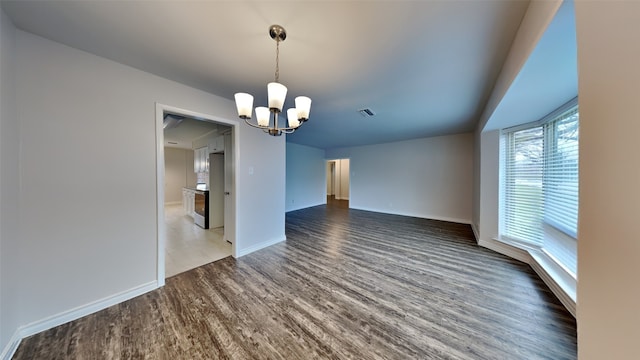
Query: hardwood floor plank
x=346 y=284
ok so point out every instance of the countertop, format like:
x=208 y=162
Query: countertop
x=194 y=189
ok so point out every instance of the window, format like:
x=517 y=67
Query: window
x=561 y=177
x=539 y=203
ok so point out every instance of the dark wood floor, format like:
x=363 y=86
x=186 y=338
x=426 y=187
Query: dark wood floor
x=346 y=284
x=335 y=203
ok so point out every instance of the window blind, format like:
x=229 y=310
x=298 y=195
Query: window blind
x=561 y=175
x=540 y=184
x=523 y=200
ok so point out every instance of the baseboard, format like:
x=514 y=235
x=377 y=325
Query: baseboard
x=259 y=246
x=506 y=249
x=83 y=310
x=305 y=206
x=415 y=215
x=12 y=346
x=561 y=284
x=476 y=233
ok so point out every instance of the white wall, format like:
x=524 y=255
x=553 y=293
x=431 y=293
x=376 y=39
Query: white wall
x=306 y=177
x=338 y=181
x=543 y=21
x=344 y=179
x=261 y=180
x=538 y=16
x=609 y=245
x=485 y=211
x=428 y=178
x=178 y=171
x=93 y=231
x=216 y=190
x=485 y=206
x=341 y=179
x=330 y=177
x=489 y=186
x=477 y=137
x=9 y=187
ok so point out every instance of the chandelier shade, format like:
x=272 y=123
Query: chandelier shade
x=277 y=94
x=244 y=103
x=292 y=118
x=263 y=116
x=303 y=106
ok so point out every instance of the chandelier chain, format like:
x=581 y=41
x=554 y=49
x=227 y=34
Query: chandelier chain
x=278 y=58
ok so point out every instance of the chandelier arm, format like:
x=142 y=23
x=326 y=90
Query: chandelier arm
x=286 y=129
x=291 y=129
x=253 y=125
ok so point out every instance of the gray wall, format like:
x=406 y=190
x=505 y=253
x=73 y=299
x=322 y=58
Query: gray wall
x=487 y=147
x=306 y=177
x=178 y=173
x=9 y=185
x=428 y=178
x=340 y=181
x=608 y=244
x=489 y=182
x=94 y=205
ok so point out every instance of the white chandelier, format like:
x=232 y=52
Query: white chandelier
x=277 y=93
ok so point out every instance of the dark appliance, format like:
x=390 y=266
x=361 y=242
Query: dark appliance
x=201 y=209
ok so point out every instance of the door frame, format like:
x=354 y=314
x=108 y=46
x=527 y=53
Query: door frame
x=160 y=222
x=334 y=174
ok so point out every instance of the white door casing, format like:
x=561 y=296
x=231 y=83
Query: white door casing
x=229 y=188
x=230 y=210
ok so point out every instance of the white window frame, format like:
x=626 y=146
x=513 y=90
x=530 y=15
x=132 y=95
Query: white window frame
x=551 y=231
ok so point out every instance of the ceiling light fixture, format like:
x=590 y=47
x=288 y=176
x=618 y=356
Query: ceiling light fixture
x=276 y=93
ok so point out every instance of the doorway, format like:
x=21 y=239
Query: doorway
x=209 y=144
x=338 y=184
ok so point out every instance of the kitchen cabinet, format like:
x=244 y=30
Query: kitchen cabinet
x=201 y=159
x=196 y=160
x=217 y=145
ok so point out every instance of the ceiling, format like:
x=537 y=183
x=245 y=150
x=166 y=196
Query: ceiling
x=183 y=134
x=547 y=80
x=426 y=68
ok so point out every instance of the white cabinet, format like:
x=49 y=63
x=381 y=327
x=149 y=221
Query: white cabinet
x=201 y=154
x=188 y=201
x=204 y=159
x=196 y=160
x=201 y=159
x=217 y=145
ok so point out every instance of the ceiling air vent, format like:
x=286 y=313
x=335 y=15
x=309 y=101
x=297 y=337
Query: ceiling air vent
x=366 y=112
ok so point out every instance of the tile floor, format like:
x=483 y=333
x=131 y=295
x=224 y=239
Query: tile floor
x=188 y=245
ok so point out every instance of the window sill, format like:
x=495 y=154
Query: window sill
x=561 y=282
x=559 y=274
